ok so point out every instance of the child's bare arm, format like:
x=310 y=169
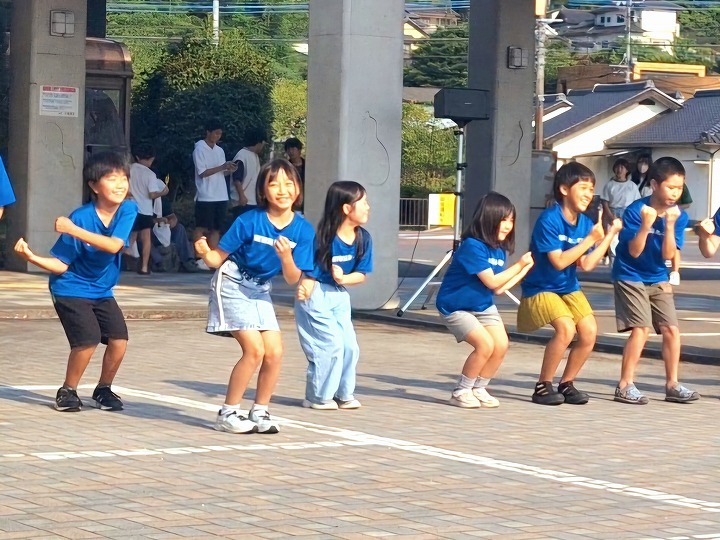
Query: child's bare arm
x=590 y=261
x=648 y=215
x=341 y=278
x=495 y=281
x=669 y=245
x=515 y=280
x=51 y=264
x=212 y=257
x=707 y=239
x=109 y=244
x=290 y=271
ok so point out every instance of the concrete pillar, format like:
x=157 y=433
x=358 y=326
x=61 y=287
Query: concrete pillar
x=46 y=121
x=499 y=150
x=354 y=122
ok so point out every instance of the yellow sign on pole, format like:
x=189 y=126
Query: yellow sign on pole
x=441 y=209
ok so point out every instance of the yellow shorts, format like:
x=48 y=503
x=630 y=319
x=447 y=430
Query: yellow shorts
x=543 y=308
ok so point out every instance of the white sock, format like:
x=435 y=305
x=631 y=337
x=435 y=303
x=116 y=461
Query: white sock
x=257 y=407
x=481 y=383
x=464 y=384
x=227 y=409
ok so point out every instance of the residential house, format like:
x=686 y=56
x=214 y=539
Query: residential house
x=588 y=31
x=691 y=134
x=419 y=24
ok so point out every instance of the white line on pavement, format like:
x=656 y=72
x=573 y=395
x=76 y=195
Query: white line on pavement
x=352 y=438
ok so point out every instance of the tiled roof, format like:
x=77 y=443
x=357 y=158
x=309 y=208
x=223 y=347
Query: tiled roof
x=588 y=104
x=697 y=121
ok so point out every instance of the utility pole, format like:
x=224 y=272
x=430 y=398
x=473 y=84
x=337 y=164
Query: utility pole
x=628 y=38
x=540 y=12
x=216 y=22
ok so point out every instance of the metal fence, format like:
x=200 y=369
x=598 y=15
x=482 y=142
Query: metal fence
x=413 y=213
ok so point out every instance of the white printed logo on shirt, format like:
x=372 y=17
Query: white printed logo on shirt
x=496 y=262
x=342 y=258
x=572 y=241
x=269 y=241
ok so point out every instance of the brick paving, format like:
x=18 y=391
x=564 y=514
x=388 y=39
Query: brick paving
x=405 y=465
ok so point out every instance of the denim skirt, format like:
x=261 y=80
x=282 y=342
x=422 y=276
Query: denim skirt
x=239 y=302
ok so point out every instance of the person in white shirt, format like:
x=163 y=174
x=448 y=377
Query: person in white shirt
x=619 y=193
x=212 y=192
x=247 y=160
x=144 y=189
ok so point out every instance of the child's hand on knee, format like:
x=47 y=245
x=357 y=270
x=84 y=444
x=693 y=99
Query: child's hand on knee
x=305 y=289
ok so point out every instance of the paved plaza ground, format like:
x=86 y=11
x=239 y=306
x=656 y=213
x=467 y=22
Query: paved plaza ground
x=405 y=465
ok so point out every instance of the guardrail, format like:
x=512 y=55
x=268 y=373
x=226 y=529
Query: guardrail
x=413 y=213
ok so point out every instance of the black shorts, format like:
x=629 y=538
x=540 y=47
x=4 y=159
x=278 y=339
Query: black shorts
x=210 y=215
x=88 y=322
x=143 y=222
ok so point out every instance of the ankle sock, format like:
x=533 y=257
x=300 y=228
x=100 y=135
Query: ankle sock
x=481 y=382
x=464 y=383
x=227 y=409
x=257 y=407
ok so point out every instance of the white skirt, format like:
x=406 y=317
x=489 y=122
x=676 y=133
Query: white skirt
x=239 y=302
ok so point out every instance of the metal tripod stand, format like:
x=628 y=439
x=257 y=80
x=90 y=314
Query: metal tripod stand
x=457 y=225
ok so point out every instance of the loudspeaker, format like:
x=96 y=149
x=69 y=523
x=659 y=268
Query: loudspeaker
x=461 y=105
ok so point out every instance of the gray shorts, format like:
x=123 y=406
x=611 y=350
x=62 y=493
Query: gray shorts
x=461 y=323
x=644 y=306
x=239 y=303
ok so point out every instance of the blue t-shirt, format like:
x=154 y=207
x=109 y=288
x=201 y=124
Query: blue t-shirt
x=649 y=267
x=552 y=232
x=461 y=289
x=7 y=196
x=250 y=241
x=716 y=222
x=345 y=256
x=92 y=273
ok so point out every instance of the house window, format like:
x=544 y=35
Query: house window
x=602 y=20
x=621 y=18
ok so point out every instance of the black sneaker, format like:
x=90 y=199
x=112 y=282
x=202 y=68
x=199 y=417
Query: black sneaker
x=106 y=400
x=572 y=395
x=67 y=400
x=545 y=394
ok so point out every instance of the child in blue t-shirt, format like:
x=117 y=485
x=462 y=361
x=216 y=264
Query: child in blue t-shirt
x=343 y=257
x=260 y=244
x=563 y=239
x=653 y=232
x=7 y=196
x=708 y=231
x=85 y=266
x=465 y=300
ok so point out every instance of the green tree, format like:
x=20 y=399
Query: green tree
x=428 y=154
x=289 y=99
x=557 y=55
x=441 y=60
x=231 y=82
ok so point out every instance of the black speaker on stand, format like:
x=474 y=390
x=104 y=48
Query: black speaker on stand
x=462 y=106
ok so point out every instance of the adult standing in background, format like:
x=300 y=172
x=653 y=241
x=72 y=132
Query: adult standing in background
x=639 y=175
x=212 y=192
x=244 y=179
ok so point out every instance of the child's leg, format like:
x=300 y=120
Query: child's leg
x=113 y=357
x=253 y=350
x=77 y=364
x=482 y=343
x=351 y=349
x=556 y=347
x=146 y=240
x=671 y=353
x=631 y=355
x=322 y=343
x=580 y=351
x=500 y=347
x=270 y=367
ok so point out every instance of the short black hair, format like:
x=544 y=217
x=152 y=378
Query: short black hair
x=621 y=162
x=104 y=163
x=569 y=175
x=293 y=142
x=212 y=124
x=144 y=150
x=255 y=136
x=644 y=158
x=665 y=167
x=490 y=211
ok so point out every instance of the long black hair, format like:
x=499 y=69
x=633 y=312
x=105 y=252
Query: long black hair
x=490 y=211
x=339 y=194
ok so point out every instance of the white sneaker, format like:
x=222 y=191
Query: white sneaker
x=233 y=422
x=348 y=404
x=464 y=399
x=262 y=420
x=329 y=406
x=485 y=399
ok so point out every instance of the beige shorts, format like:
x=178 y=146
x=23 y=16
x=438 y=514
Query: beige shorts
x=545 y=307
x=644 y=306
x=461 y=323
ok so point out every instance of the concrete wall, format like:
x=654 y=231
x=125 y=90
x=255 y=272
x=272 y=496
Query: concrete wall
x=354 y=122
x=45 y=152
